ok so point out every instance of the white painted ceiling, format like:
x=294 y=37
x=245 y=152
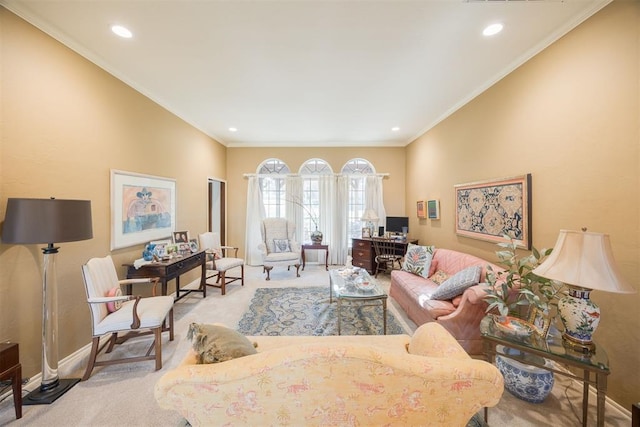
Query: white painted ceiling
x=308 y=72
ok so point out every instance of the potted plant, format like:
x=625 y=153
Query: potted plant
x=517 y=286
x=510 y=292
x=315 y=235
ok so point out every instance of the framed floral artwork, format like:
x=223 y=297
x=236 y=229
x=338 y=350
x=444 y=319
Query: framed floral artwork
x=143 y=208
x=489 y=210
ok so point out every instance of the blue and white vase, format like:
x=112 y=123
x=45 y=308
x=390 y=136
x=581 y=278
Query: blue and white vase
x=147 y=253
x=525 y=382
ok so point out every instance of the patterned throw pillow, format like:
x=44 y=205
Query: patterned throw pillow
x=417 y=260
x=281 y=245
x=439 y=277
x=456 y=284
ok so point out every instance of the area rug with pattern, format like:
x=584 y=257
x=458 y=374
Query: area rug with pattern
x=307 y=311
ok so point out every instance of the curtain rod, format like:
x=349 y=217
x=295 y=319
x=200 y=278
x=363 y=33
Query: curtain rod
x=249 y=175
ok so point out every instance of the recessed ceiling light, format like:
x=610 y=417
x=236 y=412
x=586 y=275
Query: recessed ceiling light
x=121 y=31
x=395 y=128
x=233 y=129
x=492 y=29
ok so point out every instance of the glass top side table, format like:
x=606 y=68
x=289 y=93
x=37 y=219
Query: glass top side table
x=594 y=364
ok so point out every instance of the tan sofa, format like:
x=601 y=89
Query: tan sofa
x=460 y=315
x=427 y=379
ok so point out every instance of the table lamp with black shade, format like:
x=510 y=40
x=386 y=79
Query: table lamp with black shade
x=50 y=221
x=584 y=262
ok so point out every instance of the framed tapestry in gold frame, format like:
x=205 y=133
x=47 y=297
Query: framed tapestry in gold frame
x=489 y=210
x=540 y=321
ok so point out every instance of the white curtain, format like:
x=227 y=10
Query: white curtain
x=327 y=184
x=374 y=199
x=255 y=215
x=340 y=214
x=293 y=204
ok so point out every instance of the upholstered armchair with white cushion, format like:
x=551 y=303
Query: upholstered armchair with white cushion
x=279 y=246
x=113 y=313
x=219 y=262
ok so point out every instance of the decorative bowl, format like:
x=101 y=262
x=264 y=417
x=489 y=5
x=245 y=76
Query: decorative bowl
x=513 y=326
x=364 y=285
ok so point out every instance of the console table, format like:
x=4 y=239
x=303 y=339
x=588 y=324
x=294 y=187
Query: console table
x=552 y=348
x=364 y=255
x=314 y=246
x=10 y=368
x=172 y=269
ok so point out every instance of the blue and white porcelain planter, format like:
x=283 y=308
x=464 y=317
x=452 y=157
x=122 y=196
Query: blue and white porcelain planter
x=525 y=382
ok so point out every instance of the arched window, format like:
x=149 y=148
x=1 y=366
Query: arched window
x=357 y=169
x=272 y=185
x=311 y=170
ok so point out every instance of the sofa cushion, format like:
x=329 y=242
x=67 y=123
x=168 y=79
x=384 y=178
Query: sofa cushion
x=217 y=343
x=417 y=260
x=456 y=284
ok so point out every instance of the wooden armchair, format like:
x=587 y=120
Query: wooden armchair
x=218 y=261
x=114 y=313
x=387 y=254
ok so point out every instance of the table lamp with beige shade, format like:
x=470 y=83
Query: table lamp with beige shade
x=584 y=262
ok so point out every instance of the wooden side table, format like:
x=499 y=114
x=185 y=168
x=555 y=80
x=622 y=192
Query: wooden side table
x=314 y=246
x=10 y=368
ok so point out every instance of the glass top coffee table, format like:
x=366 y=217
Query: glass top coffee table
x=355 y=284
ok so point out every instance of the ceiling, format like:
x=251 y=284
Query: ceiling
x=308 y=72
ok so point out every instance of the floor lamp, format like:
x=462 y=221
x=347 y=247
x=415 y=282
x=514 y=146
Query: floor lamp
x=35 y=221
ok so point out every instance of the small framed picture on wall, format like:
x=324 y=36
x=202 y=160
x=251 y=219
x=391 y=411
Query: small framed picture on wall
x=433 y=209
x=421 y=209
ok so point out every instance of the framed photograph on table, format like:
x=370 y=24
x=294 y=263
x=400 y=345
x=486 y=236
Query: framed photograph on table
x=491 y=210
x=541 y=321
x=143 y=208
x=366 y=232
x=180 y=237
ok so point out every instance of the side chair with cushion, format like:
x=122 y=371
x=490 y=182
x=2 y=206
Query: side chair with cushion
x=218 y=263
x=114 y=313
x=279 y=246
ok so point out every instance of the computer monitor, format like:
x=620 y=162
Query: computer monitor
x=397 y=224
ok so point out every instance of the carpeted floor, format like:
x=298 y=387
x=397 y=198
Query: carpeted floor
x=307 y=311
x=121 y=395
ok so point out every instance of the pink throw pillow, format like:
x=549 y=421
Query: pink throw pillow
x=114 y=305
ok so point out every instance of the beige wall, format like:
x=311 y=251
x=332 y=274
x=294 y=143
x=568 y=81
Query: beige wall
x=65 y=124
x=242 y=161
x=571 y=118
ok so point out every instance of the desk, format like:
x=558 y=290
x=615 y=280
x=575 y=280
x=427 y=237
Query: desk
x=364 y=255
x=172 y=269
x=10 y=368
x=553 y=349
x=319 y=247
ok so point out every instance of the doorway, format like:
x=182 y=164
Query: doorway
x=218 y=208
